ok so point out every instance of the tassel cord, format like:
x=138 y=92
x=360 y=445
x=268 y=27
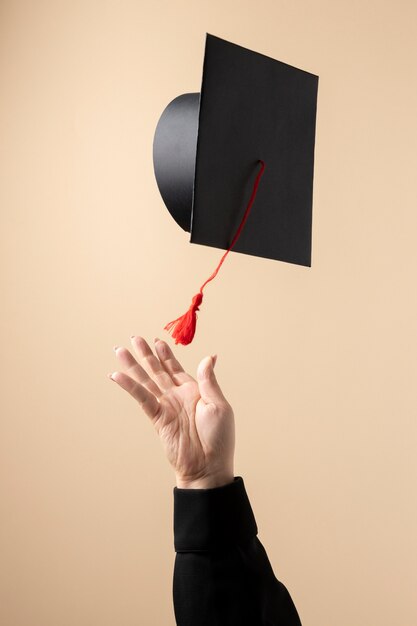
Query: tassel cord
x=242 y=223
x=184 y=326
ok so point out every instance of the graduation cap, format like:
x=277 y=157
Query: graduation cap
x=254 y=118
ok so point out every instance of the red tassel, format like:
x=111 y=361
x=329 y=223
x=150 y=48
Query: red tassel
x=184 y=326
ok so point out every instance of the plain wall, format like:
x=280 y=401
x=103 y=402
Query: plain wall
x=318 y=363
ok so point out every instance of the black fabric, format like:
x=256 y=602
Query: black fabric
x=254 y=107
x=222 y=574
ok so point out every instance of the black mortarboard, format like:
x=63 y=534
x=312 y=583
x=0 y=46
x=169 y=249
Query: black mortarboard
x=208 y=146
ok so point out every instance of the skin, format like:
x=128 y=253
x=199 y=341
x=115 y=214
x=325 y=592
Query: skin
x=192 y=417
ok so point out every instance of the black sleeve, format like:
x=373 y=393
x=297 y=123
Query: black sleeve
x=222 y=575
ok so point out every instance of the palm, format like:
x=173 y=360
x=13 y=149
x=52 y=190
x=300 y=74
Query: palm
x=182 y=427
x=194 y=431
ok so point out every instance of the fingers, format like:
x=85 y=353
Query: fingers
x=170 y=363
x=145 y=398
x=151 y=364
x=210 y=390
x=136 y=371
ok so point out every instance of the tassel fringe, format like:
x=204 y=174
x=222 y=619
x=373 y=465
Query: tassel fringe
x=184 y=326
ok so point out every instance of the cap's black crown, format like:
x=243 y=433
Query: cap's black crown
x=207 y=147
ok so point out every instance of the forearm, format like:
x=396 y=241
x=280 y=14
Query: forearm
x=222 y=575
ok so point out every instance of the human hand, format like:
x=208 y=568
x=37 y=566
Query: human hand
x=193 y=419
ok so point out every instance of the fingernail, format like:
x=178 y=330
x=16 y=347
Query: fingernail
x=156 y=339
x=132 y=336
x=214 y=357
x=115 y=348
x=111 y=377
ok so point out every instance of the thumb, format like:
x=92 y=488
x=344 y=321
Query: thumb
x=207 y=383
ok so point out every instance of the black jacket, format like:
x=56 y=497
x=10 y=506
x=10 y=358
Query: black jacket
x=222 y=575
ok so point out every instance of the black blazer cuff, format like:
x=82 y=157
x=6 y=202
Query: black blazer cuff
x=206 y=519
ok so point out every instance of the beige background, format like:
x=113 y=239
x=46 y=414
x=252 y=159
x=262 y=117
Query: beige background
x=319 y=363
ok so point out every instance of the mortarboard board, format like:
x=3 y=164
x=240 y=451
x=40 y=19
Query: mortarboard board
x=207 y=148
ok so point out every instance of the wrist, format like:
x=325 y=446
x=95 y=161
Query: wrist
x=205 y=482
